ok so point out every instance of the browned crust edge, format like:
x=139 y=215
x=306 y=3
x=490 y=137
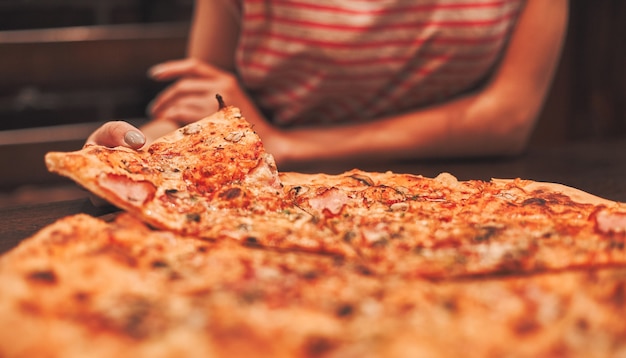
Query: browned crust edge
x=577 y=195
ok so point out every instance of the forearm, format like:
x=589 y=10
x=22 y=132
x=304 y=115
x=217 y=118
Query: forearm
x=468 y=126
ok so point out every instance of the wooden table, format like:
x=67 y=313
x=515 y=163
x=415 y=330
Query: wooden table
x=595 y=167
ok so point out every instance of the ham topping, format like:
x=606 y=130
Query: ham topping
x=331 y=200
x=611 y=222
x=136 y=192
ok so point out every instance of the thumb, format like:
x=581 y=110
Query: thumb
x=117 y=133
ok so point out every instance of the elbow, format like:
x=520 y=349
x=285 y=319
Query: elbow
x=512 y=140
x=508 y=127
x=511 y=133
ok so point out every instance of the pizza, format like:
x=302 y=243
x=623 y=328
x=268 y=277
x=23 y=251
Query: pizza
x=85 y=287
x=216 y=253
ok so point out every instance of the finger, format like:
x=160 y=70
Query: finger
x=180 y=89
x=117 y=133
x=189 y=67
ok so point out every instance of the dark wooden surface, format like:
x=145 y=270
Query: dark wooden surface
x=21 y=222
x=595 y=167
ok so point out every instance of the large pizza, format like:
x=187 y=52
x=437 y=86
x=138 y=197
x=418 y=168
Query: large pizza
x=214 y=253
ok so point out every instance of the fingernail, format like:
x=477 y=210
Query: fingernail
x=155 y=71
x=134 y=139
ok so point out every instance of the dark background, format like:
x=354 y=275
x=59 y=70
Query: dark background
x=68 y=65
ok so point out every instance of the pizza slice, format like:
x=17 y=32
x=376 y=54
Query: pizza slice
x=441 y=227
x=215 y=164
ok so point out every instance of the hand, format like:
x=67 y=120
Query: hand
x=191 y=97
x=117 y=133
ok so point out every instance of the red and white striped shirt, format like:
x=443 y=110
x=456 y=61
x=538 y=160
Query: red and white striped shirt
x=324 y=61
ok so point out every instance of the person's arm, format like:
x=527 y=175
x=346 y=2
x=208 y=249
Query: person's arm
x=496 y=120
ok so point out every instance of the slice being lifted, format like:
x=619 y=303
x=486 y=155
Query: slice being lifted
x=176 y=183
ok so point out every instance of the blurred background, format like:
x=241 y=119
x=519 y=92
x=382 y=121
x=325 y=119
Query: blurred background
x=66 y=66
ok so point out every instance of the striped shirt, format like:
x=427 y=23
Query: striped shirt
x=325 y=61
